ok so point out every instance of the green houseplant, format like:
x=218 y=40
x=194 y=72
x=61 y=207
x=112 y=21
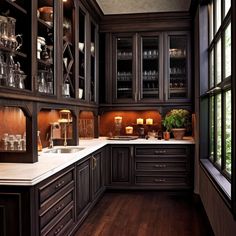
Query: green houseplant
x=177 y=121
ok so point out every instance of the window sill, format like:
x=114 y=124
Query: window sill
x=220 y=182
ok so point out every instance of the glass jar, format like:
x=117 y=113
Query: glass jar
x=42 y=82
x=3 y=31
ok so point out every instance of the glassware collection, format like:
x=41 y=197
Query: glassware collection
x=14 y=142
x=45 y=41
x=11 y=74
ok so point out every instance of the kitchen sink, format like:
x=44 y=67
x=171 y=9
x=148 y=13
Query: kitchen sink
x=123 y=138
x=64 y=150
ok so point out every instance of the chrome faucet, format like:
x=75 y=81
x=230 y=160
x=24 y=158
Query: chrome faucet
x=51 y=138
x=65 y=135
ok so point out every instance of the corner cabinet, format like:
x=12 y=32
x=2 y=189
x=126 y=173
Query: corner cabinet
x=151 y=67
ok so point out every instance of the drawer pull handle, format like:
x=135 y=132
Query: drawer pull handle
x=58 y=229
x=94 y=162
x=160 y=166
x=59 y=184
x=59 y=208
x=160 y=152
x=159 y=180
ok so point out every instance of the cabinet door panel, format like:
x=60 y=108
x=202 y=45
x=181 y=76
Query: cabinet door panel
x=123 y=68
x=83 y=186
x=121 y=165
x=178 y=71
x=150 y=68
x=97 y=174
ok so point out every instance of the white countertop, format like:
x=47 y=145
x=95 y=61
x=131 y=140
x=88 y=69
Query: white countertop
x=28 y=174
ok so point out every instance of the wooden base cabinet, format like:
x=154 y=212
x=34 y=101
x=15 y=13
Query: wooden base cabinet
x=16 y=211
x=121 y=165
x=56 y=199
x=163 y=166
x=98 y=173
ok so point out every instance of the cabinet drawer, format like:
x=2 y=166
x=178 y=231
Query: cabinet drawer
x=63 y=226
x=162 y=180
x=55 y=185
x=56 y=209
x=153 y=151
x=158 y=166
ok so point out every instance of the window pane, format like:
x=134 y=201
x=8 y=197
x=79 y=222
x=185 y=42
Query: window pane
x=227 y=5
x=218 y=14
x=211 y=64
x=211 y=125
x=218 y=62
x=210 y=22
x=228 y=130
x=227 y=48
x=218 y=129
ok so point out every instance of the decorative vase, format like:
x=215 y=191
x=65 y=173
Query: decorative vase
x=178 y=133
x=166 y=135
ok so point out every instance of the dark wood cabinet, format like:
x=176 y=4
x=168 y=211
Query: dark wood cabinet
x=164 y=166
x=56 y=203
x=83 y=187
x=178 y=67
x=150 y=67
x=121 y=165
x=97 y=173
x=60 y=203
x=17 y=216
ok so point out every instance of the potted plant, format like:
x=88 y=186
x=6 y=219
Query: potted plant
x=167 y=124
x=177 y=120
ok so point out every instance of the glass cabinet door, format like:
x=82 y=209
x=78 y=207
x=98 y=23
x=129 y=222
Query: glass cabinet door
x=68 y=81
x=93 y=63
x=45 y=48
x=124 y=68
x=150 y=67
x=178 y=69
x=82 y=53
x=15 y=52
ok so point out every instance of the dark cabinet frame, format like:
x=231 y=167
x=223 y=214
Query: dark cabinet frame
x=136 y=68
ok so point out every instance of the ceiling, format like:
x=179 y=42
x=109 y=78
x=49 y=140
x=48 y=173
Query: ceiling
x=110 y=7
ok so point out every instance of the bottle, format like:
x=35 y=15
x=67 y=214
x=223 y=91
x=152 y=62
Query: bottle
x=40 y=147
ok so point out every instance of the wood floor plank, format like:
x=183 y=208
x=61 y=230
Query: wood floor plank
x=148 y=213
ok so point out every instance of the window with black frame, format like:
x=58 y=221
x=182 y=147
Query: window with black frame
x=219 y=90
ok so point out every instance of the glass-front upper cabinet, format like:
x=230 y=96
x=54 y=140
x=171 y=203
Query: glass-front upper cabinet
x=93 y=62
x=15 y=52
x=178 y=67
x=82 y=53
x=150 y=67
x=124 y=68
x=45 y=83
x=68 y=81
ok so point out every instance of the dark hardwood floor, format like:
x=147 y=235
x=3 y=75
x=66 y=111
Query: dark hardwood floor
x=146 y=214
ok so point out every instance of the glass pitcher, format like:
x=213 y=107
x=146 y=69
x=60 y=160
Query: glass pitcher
x=14 y=41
